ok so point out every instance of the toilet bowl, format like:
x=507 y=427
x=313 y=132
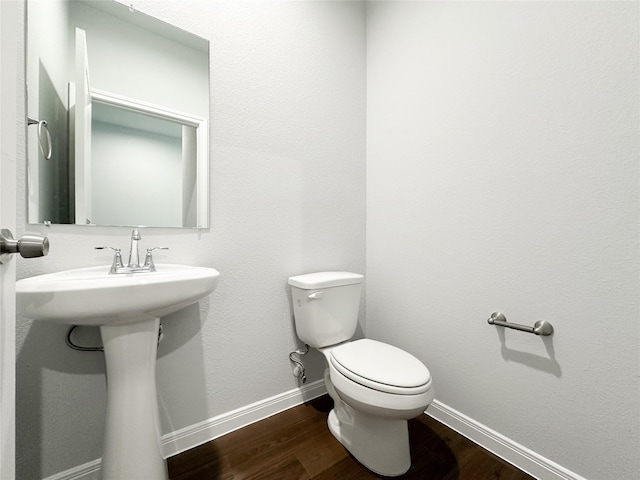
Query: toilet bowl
x=370 y=408
x=375 y=387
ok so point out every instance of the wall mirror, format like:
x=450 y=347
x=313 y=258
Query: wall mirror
x=118 y=108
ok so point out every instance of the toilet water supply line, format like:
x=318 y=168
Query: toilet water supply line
x=298 y=370
x=80 y=348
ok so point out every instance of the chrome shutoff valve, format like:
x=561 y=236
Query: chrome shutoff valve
x=298 y=370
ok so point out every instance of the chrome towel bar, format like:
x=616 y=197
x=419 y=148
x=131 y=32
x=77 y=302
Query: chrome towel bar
x=541 y=327
x=42 y=126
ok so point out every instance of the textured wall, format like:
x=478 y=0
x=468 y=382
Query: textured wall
x=156 y=66
x=120 y=156
x=502 y=174
x=287 y=197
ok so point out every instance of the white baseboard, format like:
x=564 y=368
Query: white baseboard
x=88 y=471
x=505 y=448
x=202 y=432
x=199 y=433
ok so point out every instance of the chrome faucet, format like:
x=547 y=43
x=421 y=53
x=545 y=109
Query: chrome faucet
x=134 y=258
x=133 y=266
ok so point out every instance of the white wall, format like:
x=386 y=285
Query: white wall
x=48 y=39
x=135 y=177
x=160 y=70
x=287 y=197
x=502 y=174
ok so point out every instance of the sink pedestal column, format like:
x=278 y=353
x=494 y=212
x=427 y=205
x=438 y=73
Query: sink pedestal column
x=132 y=445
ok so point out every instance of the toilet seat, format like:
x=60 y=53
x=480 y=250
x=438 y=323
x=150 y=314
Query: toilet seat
x=381 y=367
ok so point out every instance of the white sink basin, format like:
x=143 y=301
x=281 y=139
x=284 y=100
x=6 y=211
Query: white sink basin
x=127 y=308
x=90 y=296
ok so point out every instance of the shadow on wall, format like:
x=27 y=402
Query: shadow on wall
x=49 y=395
x=545 y=364
x=53 y=175
x=182 y=346
x=61 y=392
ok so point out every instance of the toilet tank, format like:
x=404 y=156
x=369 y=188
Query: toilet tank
x=325 y=306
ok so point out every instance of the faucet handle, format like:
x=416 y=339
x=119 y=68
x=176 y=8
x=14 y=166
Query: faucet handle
x=117 y=258
x=148 y=260
x=149 y=250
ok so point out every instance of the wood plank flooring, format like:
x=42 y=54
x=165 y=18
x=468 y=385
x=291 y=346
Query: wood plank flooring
x=297 y=445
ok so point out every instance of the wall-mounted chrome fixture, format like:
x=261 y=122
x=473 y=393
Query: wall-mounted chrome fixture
x=541 y=327
x=43 y=132
x=298 y=370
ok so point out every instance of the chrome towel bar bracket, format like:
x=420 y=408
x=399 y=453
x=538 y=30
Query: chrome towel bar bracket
x=541 y=327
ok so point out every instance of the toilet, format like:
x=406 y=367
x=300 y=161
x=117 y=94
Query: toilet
x=375 y=387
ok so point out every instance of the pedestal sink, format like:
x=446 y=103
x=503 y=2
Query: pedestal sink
x=127 y=308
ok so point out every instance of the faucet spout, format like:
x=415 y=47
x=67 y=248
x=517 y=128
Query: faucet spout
x=134 y=257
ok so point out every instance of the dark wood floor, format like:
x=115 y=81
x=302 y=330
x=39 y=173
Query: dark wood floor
x=297 y=445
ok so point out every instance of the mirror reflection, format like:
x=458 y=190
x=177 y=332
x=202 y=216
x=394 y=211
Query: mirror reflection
x=119 y=102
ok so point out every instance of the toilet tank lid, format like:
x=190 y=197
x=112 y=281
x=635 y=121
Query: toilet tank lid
x=311 y=281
